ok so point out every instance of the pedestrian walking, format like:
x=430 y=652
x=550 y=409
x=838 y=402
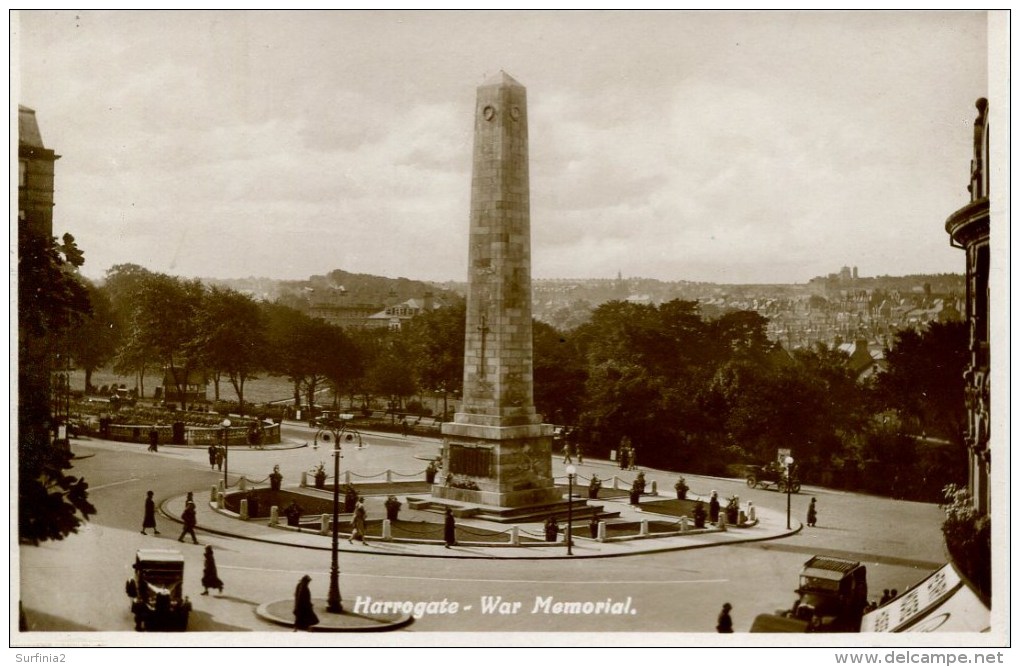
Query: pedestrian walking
x=713 y=508
x=190 y=521
x=449 y=529
x=812 y=514
x=724 y=624
x=566 y=451
x=304 y=610
x=153 y=439
x=212 y=456
x=149 y=520
x=358 y=530
x=210 y=579
x=219 y=458
x=580 y=454
x=404 y=428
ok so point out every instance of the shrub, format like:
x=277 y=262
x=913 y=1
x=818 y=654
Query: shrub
x=968 y=535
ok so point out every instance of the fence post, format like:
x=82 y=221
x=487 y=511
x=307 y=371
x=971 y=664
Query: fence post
x=683 y=524
x=655 y=488
x=347 y=477
x=387 y=533
x=219 y=500
x=389 y=476
x=751 y=512
x=644 y=526
x=616 y=483
x=220 y=486
x=602 y=531
x=244 y=509
x=212 y=493
x=304 y=479
x=324 y=524
x=274 y=515
x=515 y=537
x=242 y=484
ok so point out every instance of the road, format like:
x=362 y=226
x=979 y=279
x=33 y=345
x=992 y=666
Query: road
x=78 y=584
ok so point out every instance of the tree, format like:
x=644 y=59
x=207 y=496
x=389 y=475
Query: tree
x=165 y=324
x=122 y=285
x=559 y=375
x=924 y=380
x=436 y=340
x=51 y=300
x=232 y=337
x=94 y=343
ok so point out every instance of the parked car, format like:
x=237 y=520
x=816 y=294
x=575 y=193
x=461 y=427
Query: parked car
x=832 y=596
x=157 y=599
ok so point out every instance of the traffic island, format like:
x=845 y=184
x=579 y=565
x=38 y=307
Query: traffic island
x=281 y=612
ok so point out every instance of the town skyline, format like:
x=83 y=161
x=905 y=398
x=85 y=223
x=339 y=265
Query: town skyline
x=726 y=147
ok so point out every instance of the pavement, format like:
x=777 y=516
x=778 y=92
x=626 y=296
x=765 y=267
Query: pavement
x=769 y=525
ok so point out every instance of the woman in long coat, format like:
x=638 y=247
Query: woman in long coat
x=304 y=611
x=812 y=513
x=358 y=532
x=210 y=579
x=449 y=529
x=149 y=520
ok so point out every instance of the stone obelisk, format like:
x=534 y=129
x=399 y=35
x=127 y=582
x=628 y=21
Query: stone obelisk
x=497 y=451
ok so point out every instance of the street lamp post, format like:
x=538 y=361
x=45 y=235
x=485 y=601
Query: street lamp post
x=789 y=487
x=226 y=450
x=571 y=471
x=336 y=428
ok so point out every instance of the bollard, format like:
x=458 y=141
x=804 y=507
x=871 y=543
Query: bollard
x=683 y=524
x=219 y=500
x=242 y=484
x=387 y=533
x=602 y=531
x=304 y=479
x=274 y=515
x=616 y=483
x=741 y=517
x=347 y=477
x=655 y=488
x=389 y=476
x=751 y=513
x=324 y=524
x=721 y=523
x=644 y=526
x=515 y=538
x=244 y=509
x=221 y=486
x=212 y=493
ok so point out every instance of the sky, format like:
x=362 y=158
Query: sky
x=733 y=147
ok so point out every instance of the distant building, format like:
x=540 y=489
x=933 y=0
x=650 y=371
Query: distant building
x=393 y=317
x=39 y=363
x=968 y=229
x=194 y=386
x=35 y=177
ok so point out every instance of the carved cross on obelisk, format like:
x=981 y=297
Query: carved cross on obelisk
x=484 y=330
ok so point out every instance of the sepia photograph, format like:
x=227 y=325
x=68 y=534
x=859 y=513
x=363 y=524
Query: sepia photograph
x=473 y=329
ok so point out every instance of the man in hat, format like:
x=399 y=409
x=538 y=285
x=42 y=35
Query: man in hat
x=725 y=623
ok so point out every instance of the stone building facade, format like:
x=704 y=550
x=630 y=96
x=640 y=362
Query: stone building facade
x=35 y=177
x=968 y=230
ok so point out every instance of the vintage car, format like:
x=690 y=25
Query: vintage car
x=772 y=474
x=157 y=600
x=832 y=596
